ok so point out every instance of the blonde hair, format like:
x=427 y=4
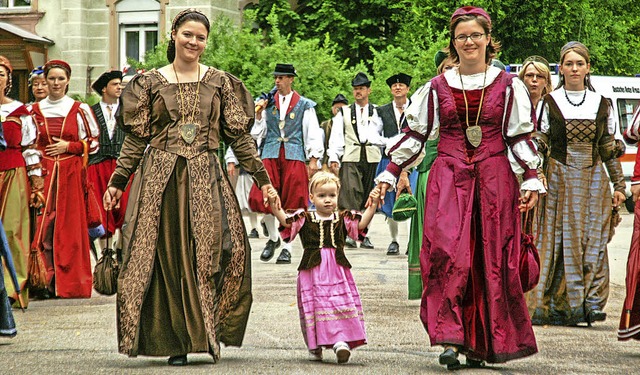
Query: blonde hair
x=322 y=178
x=542 y=69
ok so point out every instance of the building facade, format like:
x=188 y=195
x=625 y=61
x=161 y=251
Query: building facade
x=91 y=35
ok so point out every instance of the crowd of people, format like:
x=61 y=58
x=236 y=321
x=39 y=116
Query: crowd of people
x=477 y=147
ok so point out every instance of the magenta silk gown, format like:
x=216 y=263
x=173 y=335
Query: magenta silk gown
x=328 y=300
x=472 y=295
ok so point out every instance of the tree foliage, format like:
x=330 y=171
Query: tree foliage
x=329 y=41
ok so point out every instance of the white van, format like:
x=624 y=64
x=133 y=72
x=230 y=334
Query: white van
x=624 y=94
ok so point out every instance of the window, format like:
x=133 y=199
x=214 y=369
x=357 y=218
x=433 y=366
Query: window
x=626 y=109
x=15 y=3
x=136 y=40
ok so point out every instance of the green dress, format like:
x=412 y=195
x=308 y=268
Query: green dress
x=415 y=233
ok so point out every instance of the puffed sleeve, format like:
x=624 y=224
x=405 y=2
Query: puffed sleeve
x=238 y=113
x=406 y=149
x=133 y=118
x=351 y=222
x=91 y=126
x=296 y=221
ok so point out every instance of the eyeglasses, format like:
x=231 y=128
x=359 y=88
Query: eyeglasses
x=538 y=77
x=463 y=38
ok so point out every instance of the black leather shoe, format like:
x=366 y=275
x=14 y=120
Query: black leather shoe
x=350 y=243
x=253 y=233
x=449 y=357
x=475 y=363
x=366 y=244
x=284 y=257
x=597 y=316
x=269 y=250
x=265 y=232
x=178 y=360
x=393 y=249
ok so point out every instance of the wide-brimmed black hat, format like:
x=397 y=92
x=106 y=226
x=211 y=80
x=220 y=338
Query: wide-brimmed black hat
x=104 y=79
x=361 y=79
x=285 y=70
x=399 y=78
x=339 y=99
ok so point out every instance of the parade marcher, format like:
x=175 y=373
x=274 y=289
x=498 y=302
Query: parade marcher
x=67 y=133
x=472 y=302
x=629 y=327
x=578 y=129
x=103 y=163
x=328 y=301
x=414 y=282
x=354 y=149
x=19 y=165
x=290 y=135
x=242 y=183
x=536 y=76
x=338 y=102
x=392 y=116
x=184 y=284
x=38 y=84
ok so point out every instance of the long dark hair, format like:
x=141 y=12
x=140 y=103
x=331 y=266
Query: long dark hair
x=179 y=20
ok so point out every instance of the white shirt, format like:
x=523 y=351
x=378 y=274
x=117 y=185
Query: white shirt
x=311 y=132
x=109 y=113
x=369 y=130
x=519 y=122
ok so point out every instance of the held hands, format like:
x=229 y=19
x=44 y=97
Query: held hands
x=270 y=197
x=312 y=168
x=111 y=198
x=619 y=197
x=60 y=147
x=377 y=194
x=334 y=168
x=528 y=200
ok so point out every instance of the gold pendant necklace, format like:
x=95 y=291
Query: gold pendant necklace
x=474 y=132
x=188 y=131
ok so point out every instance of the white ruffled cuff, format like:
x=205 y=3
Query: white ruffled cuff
x=387 y=177
x=533 y=184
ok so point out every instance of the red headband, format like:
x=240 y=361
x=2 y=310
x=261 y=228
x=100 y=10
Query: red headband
x=57 y=64
x=463 y=11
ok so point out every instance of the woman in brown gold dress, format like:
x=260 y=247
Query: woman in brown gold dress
x=184 y=284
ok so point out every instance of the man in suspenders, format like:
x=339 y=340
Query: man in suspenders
x=392 y=115
x=353 y=153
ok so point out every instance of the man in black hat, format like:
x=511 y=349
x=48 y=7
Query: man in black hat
x=355 y=133
x=338 y=102
x=103 y=163
x=392 y=115
x=291 y=136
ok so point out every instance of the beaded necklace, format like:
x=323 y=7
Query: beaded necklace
x=584 y=97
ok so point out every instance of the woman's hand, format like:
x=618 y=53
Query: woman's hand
x=528 y=200
x=334 y=168
x=635 y=192
x=231 y=170
x=60 y=147
x=270 y=197
x=381 y=189
x=619 y=198
x=111 y=198
x=403 y=184
x=312 y=168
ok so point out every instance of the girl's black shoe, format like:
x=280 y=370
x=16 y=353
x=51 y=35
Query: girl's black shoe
x=178 y=360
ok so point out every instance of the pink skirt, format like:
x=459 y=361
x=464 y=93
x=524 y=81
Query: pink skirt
x=329 y=305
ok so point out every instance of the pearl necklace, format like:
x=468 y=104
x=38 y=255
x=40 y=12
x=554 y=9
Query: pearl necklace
x=584 y=97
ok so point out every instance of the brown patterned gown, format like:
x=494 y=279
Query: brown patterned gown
x=185 y=284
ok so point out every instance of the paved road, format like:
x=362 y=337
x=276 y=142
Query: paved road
x=79 y=336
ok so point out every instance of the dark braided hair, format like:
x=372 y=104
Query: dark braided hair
x=182 y=17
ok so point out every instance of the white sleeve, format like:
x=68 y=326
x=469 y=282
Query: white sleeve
x=230 y=157
x=93 y=128
x=312 y=134
x=376 y=136
x=336 y=139
x=31 y=156
x=259 y=129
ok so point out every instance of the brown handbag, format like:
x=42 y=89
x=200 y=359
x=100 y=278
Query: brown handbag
x=105 y=273
x=36 y=270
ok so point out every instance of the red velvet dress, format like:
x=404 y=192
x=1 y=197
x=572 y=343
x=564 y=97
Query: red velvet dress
x=61 y=232
x=469 y=260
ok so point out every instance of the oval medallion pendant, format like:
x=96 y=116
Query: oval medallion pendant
x=474 y=135
x=188 y=132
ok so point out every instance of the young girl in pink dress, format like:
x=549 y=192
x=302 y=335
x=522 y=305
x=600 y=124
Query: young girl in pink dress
x=328 y=300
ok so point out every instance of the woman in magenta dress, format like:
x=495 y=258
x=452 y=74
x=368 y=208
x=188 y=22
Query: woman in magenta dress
x=473 y=302
x=328 y=300
x=67 y=133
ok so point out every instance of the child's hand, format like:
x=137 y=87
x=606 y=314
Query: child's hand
x=375 y=195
